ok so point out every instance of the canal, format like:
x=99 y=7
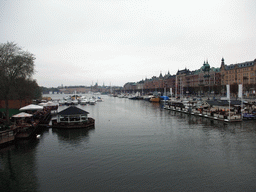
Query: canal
x=135 y=146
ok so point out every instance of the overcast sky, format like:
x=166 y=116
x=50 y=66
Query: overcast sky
x=81 y=42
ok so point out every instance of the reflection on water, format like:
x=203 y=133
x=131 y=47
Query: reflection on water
x=72 y=136
x=17 y=167
x=245 y=126
x=135 y=146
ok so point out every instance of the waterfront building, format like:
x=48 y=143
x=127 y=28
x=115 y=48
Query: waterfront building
x=154 y=84
x=207 y=79
x=240 y=73
x=130 y=87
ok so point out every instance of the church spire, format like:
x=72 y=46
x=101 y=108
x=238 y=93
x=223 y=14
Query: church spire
x=160 y=76
x=222 y=61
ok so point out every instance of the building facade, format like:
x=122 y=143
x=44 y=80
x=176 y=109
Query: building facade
x=241 y=73
x=207 y=79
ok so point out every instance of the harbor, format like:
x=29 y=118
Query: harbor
x=27 y=125
x=136 y=144
x=127 y=96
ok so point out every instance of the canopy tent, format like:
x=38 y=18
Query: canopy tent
x=22 y=114
x=31 y=107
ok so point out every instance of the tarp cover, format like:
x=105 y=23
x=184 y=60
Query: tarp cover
x=164 y=97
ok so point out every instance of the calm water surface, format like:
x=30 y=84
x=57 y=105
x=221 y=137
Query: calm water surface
x=135 y=146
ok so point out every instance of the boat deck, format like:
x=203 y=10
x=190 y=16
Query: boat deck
x=207 y=114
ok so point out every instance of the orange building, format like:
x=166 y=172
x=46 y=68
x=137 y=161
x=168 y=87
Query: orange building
x=240 y=73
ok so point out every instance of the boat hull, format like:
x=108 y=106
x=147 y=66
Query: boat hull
x=7 y=136
x=155 y=99
x=26 y=132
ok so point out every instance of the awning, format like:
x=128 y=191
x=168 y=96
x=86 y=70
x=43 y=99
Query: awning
x=31 y=107
x=22 y=114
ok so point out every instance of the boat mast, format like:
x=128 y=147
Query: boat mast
x=228 y=97
x=176 y=87
x=240 y=94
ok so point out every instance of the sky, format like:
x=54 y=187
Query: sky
x=112 y=42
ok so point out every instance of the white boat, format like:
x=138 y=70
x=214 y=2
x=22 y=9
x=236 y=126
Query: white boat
x=84 y=102
x=121 y=96
x=62 y=102
x=74 y=102
x=99 y=99
x=68 y=102
x=92 y=101
x=67 y=97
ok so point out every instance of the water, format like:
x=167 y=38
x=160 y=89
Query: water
x=135 y=146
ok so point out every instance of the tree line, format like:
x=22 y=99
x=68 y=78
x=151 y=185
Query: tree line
x=16 y=70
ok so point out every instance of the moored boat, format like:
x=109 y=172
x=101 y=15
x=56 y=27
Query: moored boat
x=92 y=101
x=62 y=102
x=26 y=130
x=147 y=97
x=84 y=101
x=74 y=102
x=72 y=118
x=68 y=102
x=7 y=136
x=155 y=99
x=99 y=99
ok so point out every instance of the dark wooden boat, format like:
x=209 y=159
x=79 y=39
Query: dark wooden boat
x=26 y=131
x=7 y=136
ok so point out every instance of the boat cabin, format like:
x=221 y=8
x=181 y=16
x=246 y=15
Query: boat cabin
x=73 y=117
x=72 y=114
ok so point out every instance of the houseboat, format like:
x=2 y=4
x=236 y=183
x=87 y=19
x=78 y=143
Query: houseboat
x=73 y=118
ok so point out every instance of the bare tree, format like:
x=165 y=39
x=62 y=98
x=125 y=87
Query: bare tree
x=14 y=64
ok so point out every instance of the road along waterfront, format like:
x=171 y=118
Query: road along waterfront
x=135 y=146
